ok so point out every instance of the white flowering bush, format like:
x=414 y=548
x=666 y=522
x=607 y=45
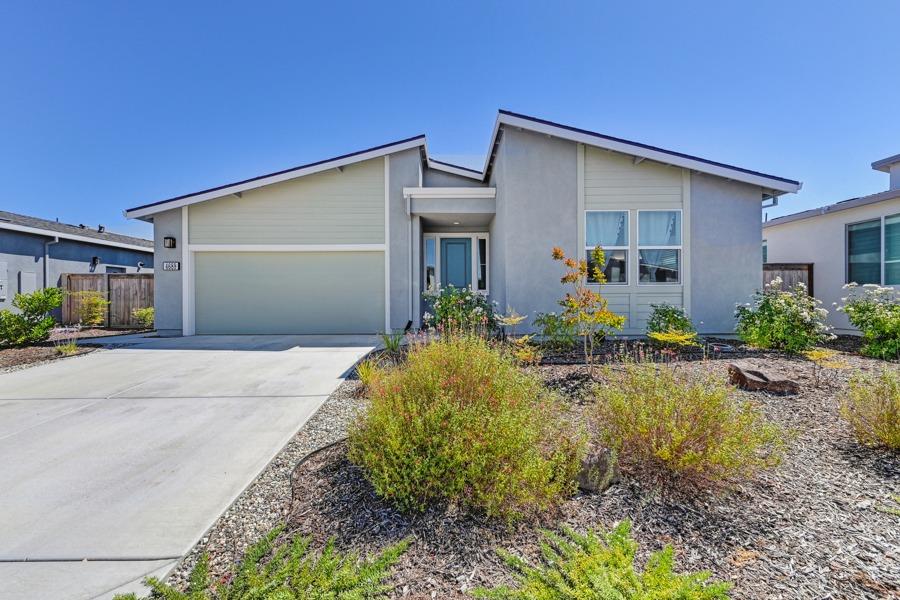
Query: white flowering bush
x=460 y=310
x=875 y=311
x=777 y=319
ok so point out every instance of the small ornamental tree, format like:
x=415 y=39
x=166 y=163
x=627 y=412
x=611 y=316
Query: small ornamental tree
x=584 y=307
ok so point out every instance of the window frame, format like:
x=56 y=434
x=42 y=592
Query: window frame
x=679 y=248
x=588 y=248
x=882 y=250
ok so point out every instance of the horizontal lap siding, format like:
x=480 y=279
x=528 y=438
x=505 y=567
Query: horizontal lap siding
x=614 y=182
x=332 y=207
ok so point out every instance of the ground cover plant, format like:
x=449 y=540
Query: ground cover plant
x=460 y=422
x=679 y=432
x=287 y=572
x=33 y=323
x=597 y=566
x=460 y=310
x=871 y=405
x=787 y=320
x=875 y=311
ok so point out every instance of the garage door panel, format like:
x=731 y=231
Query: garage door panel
x=289 y=292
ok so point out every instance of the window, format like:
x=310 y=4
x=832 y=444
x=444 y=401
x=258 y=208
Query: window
x=110 y=269
x=482 y=264
x=892 y=250
x=659 y=246
x=765 y=252
x=608 y=229
x=864 y=252
x=430 y=264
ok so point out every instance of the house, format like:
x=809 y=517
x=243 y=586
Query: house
x=35 y=252
x=855 y=240
x=348 y=244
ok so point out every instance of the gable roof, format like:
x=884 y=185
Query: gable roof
x=592 y=138
x=276 y=177
x=836 y=207
x=25 y=224
x=772 y=184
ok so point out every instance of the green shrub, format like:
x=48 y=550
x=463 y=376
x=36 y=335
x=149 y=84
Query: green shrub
x=665 y=318
x=871 y=405
x=460 y=310
x=290 y=572
x=679 y=432
x=366 y=371
x=144 y=316
x=791 y=321
x=876 y=313
x=555 y=330
x=392 y=341
x=91 y=307
x=597 y=567
x=33 y=323
x=459 y=422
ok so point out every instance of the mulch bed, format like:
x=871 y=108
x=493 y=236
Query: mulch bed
x=815 y=527
x=17 y=358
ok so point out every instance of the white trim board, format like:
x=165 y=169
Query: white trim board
x=228 y=190
x=450 y=192
x=286 y=247
x=73 y=237
x=387 y=243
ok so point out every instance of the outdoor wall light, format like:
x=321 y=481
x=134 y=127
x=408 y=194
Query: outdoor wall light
x=168 y=242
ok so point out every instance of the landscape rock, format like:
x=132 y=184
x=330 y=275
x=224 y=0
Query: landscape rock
x=599 y=470
x=752 y=377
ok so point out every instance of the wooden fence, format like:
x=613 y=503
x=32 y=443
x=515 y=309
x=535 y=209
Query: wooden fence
x=125 y=292
x=791 y=274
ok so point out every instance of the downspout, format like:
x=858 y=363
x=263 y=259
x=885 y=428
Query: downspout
x=47 y=245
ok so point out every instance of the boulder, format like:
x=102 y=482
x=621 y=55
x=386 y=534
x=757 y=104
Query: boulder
x=599 y=470
x=756 y=378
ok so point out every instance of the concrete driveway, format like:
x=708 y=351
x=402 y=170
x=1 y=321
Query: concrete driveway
x=113 y=464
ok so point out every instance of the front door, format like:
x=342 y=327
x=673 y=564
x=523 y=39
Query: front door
x=456 y=262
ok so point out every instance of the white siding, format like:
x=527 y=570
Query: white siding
x=332 y=207
x=613 y=181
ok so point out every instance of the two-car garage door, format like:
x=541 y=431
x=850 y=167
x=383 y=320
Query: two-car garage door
x=288 y=292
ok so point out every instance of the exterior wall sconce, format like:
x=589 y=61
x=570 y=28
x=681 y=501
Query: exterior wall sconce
x=168 y=242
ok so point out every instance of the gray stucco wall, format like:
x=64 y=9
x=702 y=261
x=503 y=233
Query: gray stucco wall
x=167 y=284
x=726 y=255
x=432 y=178
x=537 y=203
x=24 y=252
x=404 y=173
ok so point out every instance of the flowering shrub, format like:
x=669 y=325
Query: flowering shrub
x=460 y=310
x=791 y=321
x=669 y=326
x=872 y=407
x=555 y=330
x=681 y=432
x=461 y=422
x=876 y=313
x=594 y=565
x=585 y=309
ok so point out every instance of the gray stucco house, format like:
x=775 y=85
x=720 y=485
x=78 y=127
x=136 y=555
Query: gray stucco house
x=35 y=252
x=348 y=244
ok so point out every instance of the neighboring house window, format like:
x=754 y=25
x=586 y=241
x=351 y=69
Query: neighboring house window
x=115 y=269
x=765 y=252
x=430 y=264
x=864 y=252
x=609 y=230
x=892 y=250
x=482 y=264
x=659 y=246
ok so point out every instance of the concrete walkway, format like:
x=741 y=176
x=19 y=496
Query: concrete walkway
x=113 y=464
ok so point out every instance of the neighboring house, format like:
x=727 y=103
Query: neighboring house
x=35 y=252
x=855 y=240
x=347 y=245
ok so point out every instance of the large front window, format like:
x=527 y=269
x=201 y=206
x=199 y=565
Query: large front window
x=659 y=246
x=873 y=251
x=609 y=230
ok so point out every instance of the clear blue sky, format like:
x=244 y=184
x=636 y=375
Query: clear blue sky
x=107 y=105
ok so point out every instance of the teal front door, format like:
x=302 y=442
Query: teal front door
x=456 y=262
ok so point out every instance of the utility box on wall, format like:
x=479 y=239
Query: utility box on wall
x=27 y=282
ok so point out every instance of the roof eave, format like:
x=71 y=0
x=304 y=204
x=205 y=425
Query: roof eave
x=74 y=237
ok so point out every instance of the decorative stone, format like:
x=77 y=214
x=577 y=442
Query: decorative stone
x=754 y=378
x=599 y=470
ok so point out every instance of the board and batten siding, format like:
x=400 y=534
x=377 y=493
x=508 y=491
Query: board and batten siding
x=612 y=181
x=333 y=207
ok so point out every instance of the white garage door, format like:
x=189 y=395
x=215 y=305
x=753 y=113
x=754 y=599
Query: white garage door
x=288 y=292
